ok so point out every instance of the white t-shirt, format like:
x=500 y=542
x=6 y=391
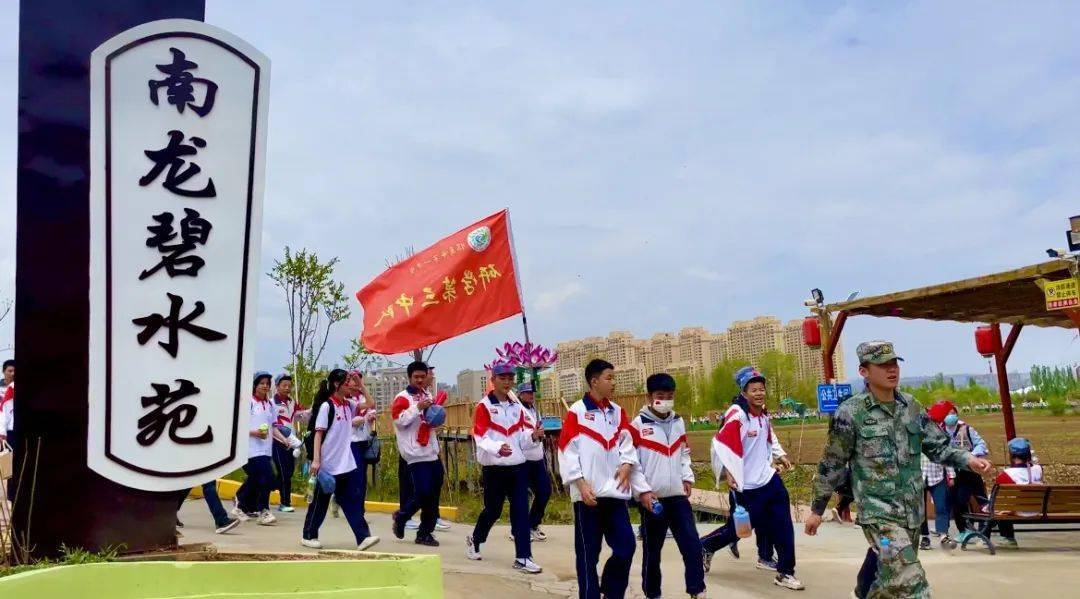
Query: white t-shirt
x=362 y=431
x=262 y=412
x=336 y=454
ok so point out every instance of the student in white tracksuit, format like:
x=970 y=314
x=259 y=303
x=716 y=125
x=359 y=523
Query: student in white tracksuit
x=418 y=445
x=536 y=468
x=744 y=447
x=498 y=428
x=660 y=438
x=598 y=462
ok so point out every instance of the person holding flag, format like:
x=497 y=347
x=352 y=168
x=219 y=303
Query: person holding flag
x=743 y=451
x=498 y=427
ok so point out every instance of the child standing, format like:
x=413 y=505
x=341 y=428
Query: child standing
x=599 y=464
x=253 y=496
x=660 y=436
x=532 y=445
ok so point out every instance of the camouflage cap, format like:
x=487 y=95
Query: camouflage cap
x=876 y=352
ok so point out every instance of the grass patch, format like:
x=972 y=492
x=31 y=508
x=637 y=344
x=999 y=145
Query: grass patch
x=69 y=557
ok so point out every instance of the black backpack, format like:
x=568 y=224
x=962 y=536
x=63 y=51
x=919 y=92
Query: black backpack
x=309 y=438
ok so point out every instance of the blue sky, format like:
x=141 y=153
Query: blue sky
x=665 y=164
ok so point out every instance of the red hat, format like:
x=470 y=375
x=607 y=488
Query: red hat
x=940 y=410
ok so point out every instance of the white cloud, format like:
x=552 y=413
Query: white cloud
x=553 y=299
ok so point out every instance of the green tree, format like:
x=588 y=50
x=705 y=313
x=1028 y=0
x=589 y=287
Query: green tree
x=782 y=372
x=685 y=400
x=359 y=358
x=716 y=390
x=316 y=302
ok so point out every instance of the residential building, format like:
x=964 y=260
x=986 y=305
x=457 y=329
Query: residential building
x=472 y=384
x=549 y=385
x=384 y=385
x=660 y=352
x=749 y=339
x=571 y=383
x=808 y=359
x=630 y=379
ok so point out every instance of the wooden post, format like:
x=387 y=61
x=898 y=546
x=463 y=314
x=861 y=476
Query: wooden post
x=1001 y=359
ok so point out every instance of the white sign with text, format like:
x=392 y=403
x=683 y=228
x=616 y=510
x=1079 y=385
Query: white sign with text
x=178 y=138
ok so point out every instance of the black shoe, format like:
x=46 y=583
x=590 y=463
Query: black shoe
x=734 y=549
x=399 y=526
x=427 y=540
x=924 y=544
x=179 y=524
x=706 y=560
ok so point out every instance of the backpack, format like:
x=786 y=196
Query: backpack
x=309 y=437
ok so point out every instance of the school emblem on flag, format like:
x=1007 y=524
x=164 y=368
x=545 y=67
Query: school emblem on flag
x=480 y=239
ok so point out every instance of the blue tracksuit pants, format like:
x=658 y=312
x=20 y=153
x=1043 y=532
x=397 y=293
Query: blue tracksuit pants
x=679 y=517
x=608 y=521
x=502 y=483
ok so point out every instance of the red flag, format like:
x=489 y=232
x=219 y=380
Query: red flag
x=461 y=283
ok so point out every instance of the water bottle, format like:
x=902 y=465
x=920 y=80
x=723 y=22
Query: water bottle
x=742 y=522
x=310 y=495
x=657 y=507
x=886 y=550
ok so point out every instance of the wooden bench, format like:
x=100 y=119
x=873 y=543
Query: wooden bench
x=1047 y=504
x=710 y=502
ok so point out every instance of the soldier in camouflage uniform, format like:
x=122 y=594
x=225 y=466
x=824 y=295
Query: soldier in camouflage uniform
x=881 y=433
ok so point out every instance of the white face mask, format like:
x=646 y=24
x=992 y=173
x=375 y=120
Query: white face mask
x=663 y=407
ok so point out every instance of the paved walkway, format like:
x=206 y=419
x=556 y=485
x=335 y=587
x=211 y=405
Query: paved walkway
x=1045 y=566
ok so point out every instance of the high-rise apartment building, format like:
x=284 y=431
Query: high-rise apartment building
x=809 y=360
x=471 y=385
x=694 y=351
x=748 y=339
x=384 y=385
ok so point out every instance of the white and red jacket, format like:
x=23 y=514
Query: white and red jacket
x=7 y=409
x=416 y=440
x=288 y=409
x=1021 y=475
x=496 y=422
x=745 y=446
x=663 y=452
x=594 y=442
x=533 y=450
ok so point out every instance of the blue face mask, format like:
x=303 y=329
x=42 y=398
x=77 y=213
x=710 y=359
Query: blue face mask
x=951 y=420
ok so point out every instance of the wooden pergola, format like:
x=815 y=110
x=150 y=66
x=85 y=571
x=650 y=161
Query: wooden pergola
x=1015 y=297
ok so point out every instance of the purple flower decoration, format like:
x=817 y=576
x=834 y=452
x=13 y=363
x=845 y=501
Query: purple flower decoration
x=526 y=355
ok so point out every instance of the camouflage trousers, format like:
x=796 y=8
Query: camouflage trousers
x=899 y=576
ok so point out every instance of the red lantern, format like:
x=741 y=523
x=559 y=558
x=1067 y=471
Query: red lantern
x=811 y=332
x=988 y=340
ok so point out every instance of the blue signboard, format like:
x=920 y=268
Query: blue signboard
x=829 y=397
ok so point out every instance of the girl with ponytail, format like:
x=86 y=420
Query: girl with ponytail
x=332 y=458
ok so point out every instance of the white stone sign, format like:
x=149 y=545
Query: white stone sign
x=178 y=138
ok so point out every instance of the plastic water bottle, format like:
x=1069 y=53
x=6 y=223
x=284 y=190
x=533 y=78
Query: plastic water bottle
x=310 y=495
x=742 y=522
x=657 y=507
x=886 y=551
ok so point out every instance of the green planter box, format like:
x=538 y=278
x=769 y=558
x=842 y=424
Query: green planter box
x=389 y=577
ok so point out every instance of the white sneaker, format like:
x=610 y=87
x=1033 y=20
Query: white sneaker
x=538 y=535
x=239 y=514
x=527 y=566
x=267 y=519
x=313 y=543
x=414 y=524
x=224 y=528
x=441 y=524
x=368 y=543
x=788 y=582
x=471 y=551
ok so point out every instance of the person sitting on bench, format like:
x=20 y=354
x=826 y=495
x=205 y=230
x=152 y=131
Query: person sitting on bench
x=1021 y=471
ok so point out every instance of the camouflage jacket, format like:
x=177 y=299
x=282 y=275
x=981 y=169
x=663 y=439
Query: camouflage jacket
x=882 y=443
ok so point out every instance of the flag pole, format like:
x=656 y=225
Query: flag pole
x=517 y=274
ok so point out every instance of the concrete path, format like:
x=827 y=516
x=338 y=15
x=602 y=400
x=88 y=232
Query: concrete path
x=1045 y=566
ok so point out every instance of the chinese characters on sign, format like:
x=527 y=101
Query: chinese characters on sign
x=176 y=194
x=1061 y=295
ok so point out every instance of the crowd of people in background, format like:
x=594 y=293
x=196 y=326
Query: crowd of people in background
x=611 y=461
